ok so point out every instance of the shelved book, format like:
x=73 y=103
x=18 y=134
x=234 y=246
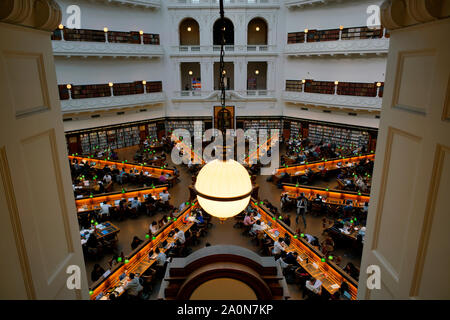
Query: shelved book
x=84 y=35
x=357 y=89
x=325 y=87
x=296 y=37
x=361 y=33
x=121 y=89
x=322 y=35
x=90 y=91
x=153 y=86
x=294 y=85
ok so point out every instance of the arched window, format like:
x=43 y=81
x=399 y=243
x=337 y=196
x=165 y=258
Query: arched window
x=257 y=32
x=189 y=31
x=229 y=32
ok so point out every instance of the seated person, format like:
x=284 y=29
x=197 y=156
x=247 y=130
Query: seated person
x=104 y=209
x=97 y=272
x=136 y=242
x=153 y=228
x=179 y=235
x=248 y=221
x=314 y=285
x=135 y=203
x=256 y=228
x=161 y=257
x=133 y=287
x=277 y=247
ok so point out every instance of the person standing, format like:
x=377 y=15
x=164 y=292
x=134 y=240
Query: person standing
x=302 y=204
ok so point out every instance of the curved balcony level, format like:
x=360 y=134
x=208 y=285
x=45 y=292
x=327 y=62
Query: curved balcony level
x=114 y=102
x=105 y=49
x=334 y=101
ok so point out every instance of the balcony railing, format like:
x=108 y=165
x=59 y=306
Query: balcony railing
x=257 y=93
x=113 y=102
x=350 y=40
x=301 y=3
x=334 y=100
x=230 y=94
x=139 y=3
x=85 y=42
x=207 y=3
x=230 y=49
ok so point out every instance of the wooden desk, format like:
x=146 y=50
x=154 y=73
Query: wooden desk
x=334 y=197
x=196 y=159
x=263 y=148
x=153 y=172
x=331 y=164
x=138 y=261
x=88 y=204
x=327 y=272
x=108 y=230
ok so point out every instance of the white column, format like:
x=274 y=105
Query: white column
x=206 y=71
x=39 y=233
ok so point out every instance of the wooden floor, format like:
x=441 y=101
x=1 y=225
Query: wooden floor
x=219 y=233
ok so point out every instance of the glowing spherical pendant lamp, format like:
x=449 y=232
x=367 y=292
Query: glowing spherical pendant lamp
x=223 y=188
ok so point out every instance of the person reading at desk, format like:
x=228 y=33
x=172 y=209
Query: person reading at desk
x=302 y=205
x=161 y=258
x=135 y=203
x=179 y=235
x=97 y=272
x=248 y=221
x=164 y=197
x=277 y=247
x=314 y=286
x=104 y=208
x=136 y=242
x=133 y=286
x=153 y=228
x=107 y=178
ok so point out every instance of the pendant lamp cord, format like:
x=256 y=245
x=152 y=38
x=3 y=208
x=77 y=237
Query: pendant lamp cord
x=222 y=65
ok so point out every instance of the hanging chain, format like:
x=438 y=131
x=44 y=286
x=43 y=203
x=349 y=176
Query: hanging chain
x=222 y=54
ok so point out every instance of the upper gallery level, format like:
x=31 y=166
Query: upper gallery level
x=185 y=4
x=148 y=4
x=338 y=41
x=296 y=4
x=86 y=42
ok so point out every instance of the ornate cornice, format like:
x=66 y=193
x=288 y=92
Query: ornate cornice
x=396 y=14
x=39 y=14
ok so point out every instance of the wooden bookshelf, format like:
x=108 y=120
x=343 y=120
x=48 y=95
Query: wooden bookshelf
x=63 y=92
x=342 y=137
x=355 y=33
x=90 y=91
x=100 y=36
x=380 y=91
x=351 y=33
x=153 y=86
x=150 y=38
x=56 y=35
x=357 y=89
x=84 y=35
x=296 y=37
x=124 y=37
x=324 y=87
x=322 y=35
x=294 y=85
x=128 y=88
